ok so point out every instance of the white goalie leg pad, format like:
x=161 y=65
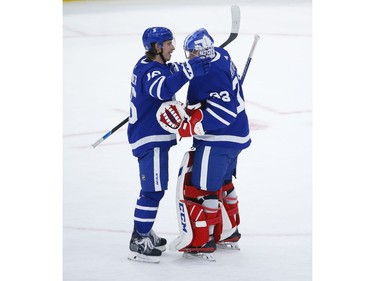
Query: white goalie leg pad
x=228 y=230
x=186 y=233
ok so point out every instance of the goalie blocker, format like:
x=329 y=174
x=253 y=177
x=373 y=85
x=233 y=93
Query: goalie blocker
x=195 y=219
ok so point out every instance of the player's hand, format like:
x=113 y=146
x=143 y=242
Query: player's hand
x=196 y=67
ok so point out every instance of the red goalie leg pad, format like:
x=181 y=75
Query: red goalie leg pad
x=216 y=219
x=199 y=225
x=233 y=213
x=193 y=192
x=200 y=222
x=230 y=204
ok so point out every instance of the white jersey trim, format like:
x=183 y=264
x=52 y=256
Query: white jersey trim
x=208 y=110
x=143 y=220
x=139 y=207
x=158 y=81
x=214 y=104
x=154 y=138
x=157 y=169
x=204 y=167
x=217 y=57
x=226 y=138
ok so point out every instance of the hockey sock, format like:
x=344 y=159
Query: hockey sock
x=146 y=210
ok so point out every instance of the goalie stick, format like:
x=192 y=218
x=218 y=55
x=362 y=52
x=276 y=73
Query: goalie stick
x=256 y=39
x=236 y=17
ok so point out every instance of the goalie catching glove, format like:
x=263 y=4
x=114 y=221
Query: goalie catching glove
x=170 y=115
x=173 y=118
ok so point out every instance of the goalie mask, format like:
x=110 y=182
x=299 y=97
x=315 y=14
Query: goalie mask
x=199 y=44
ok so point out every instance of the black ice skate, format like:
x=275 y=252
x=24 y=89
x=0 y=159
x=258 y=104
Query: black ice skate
x=230 y=242
x=159 y=242
x=204 y=252
x=142 y=249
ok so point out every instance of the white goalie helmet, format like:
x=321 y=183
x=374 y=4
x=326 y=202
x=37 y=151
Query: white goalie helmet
x=170 y=116
x=199 y=43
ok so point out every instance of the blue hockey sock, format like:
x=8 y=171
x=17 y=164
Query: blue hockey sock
x=146 y=210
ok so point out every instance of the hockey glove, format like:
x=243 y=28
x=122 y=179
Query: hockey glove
x=196 y=67
x=170 y=115
x=191 y=108
x=192 y=125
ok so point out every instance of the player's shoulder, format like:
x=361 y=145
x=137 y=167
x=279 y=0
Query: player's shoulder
x=145 y=65
x=222 y=52
x=221 y=55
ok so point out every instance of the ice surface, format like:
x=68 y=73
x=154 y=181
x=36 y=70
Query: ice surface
x=102 y=42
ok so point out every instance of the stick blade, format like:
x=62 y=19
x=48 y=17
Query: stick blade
x=236 y=18
x=99 y=141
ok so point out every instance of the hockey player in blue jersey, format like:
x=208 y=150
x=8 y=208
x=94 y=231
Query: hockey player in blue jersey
x=153 y=82
x=219 y=125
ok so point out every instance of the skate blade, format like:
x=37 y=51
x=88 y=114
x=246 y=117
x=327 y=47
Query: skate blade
x=143 y=258
x=199 y=256
x=228 y=246
x=161 y=248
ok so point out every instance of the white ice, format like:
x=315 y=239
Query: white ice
x=102 y=42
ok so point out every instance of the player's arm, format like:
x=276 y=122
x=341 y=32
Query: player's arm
x=163 y=86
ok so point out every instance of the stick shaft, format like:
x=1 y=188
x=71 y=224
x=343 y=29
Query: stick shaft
x=99 y=141
x=256 y=39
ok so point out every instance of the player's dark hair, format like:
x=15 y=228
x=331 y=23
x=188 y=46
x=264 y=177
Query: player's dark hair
x=152 y=53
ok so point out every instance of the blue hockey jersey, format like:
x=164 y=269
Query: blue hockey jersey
x=152 y=84
x=224 y=117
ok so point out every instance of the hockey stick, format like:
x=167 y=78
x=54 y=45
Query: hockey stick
x=256 y=39
x=236 y=17
x=99 y=141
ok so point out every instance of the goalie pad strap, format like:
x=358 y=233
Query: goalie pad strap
x=195 y=207
x=226 y=187
x=193 y=192
x=231 y=211
x=230 y=204
x=206 y=223
x=201 y=221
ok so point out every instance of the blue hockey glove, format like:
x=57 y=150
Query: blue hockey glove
x=196 y=67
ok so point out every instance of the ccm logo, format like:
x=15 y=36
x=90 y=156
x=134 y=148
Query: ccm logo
x=182 y=216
